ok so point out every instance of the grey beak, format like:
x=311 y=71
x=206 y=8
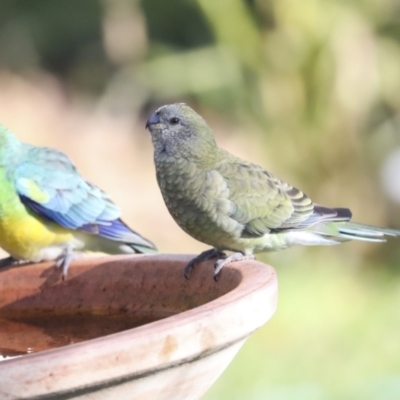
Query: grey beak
x=153 y=119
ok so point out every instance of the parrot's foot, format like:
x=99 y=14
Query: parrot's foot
x=65 y=260
x=204 y=256
x=219 y=264
x=7 y=261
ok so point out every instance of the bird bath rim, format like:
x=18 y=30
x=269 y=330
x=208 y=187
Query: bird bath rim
x=185 y=338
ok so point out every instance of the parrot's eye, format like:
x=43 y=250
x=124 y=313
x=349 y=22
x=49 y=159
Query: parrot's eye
x=174 y=120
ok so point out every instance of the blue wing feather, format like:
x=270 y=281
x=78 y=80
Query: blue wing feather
x=49 y=184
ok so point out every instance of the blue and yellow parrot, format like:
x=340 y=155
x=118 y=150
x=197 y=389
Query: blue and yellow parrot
x=49 y=212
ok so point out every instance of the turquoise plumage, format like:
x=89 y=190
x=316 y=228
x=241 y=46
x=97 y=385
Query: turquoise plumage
x=41 y=189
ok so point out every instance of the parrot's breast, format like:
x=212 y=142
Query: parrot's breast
x=198 y=200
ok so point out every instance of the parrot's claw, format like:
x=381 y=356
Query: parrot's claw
x=219 y=264
x=65 y=260
x=204 y=256
x=7 y=261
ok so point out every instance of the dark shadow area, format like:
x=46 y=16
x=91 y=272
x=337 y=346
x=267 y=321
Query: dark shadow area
x=99 y=298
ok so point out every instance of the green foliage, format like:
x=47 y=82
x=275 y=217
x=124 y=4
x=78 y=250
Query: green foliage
x=63 y=37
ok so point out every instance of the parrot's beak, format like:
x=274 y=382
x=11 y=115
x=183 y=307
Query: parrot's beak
x=153 y=120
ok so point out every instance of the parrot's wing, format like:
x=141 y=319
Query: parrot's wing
x=49 y=184
x=263 y=203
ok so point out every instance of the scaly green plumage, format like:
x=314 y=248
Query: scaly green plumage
x=232 y=204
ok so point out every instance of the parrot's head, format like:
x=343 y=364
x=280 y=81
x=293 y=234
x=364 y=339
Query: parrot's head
x=177 y=130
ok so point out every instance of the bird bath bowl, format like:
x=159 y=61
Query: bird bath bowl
x=197 y=327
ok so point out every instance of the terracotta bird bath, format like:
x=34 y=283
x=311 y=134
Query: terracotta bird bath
x=197 y=326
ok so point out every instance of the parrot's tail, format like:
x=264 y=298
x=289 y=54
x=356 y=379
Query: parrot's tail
x=353 y=231
x=335 y=232
x=142 y=249
x=128 y=241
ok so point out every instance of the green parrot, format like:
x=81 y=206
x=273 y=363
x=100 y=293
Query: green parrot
x=232 y=204
x=49 y=212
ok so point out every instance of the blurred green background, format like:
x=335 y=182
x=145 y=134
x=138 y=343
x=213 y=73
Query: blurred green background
x=309 y=89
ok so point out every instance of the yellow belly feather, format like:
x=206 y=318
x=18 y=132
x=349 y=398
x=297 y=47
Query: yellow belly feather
x=23 y=234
